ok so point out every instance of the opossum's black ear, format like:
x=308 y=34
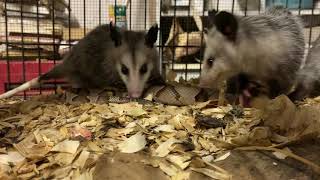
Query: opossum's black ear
x=115 y=35
x=211 y=17
x=225 y=22
x=205 y=30
x=151 y=36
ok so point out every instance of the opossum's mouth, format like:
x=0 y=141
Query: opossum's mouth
x=252 y=91
x=245 y=98
x=246 y=88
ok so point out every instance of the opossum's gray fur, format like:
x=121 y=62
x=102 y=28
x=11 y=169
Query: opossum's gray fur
x=269 y=47
x=308 y=81
x=98 y=59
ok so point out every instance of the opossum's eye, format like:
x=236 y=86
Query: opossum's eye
x=210 y=61
x=143 y=69
x=124 y=70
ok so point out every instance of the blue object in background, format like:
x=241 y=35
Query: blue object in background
x=291 y=4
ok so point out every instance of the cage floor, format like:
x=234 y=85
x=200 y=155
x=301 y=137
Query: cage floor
x=44 y=138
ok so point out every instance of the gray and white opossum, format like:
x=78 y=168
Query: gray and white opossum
x=267 y=47
x=107 y=56
x=308 y=80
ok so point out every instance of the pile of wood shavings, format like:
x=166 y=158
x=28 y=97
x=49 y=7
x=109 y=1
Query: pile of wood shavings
x=44 y=138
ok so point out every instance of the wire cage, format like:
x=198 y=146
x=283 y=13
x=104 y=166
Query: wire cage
x=36 y=34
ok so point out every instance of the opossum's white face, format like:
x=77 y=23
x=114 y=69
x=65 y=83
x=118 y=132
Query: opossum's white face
x=136 y=58
x=135 y=71
x=219 y=60
x=220 y=53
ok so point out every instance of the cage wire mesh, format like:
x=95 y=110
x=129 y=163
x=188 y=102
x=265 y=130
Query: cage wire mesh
x=36 y=34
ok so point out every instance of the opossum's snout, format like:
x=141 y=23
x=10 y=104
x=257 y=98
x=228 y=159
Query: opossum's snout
x=212 y=74
x=205 y=80
x=134 y=94
x=135 y=87
x=135 y=78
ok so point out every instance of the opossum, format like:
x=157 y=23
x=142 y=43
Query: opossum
x=268 y=47
x=308 y=80
x=108 y=56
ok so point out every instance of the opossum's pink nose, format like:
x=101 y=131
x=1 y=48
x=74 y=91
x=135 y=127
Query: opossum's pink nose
x=135 y=94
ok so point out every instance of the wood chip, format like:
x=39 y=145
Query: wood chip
x=223 y=157
x=12 y=157
x=66 y=146
x=80 y=162
x=52 y=139
x=165 y=148
x=133 y=144
x=211 y=173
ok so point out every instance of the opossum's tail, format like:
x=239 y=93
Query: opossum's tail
x=56 y=72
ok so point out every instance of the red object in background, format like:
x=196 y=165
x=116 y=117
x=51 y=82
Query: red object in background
x=31 y=71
